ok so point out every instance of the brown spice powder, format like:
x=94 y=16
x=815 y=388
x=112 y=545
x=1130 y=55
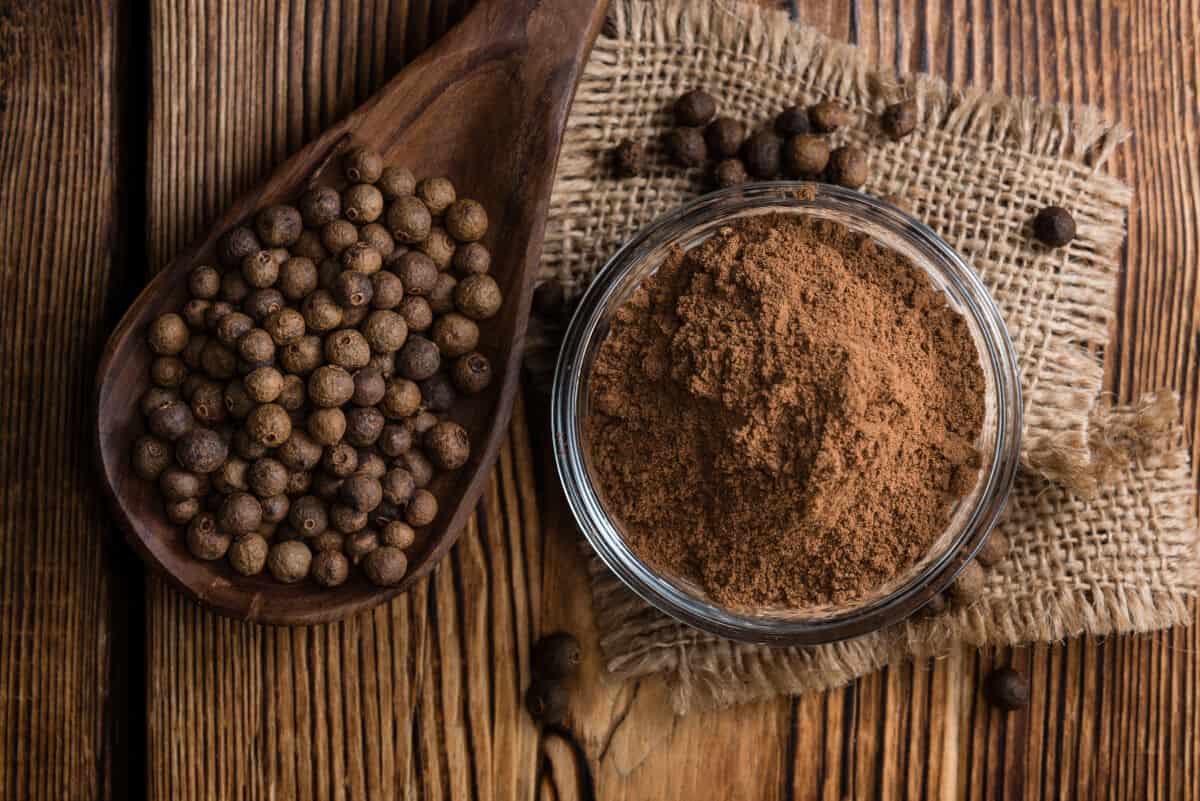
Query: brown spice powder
x=785 y=413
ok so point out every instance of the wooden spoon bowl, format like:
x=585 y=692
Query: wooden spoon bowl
x=485 y=106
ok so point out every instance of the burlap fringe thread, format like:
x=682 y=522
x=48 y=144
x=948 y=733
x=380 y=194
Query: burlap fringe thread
x=976 y=170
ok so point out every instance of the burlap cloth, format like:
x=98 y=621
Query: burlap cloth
x=976 y=170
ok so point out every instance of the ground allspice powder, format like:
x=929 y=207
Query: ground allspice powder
x=785 y=413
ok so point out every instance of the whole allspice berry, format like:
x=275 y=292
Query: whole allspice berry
x=441 y=297
x=385 y=566
x=347 y=348
x=256 y=346
x=338 y=235
x=439 y=246
x=204 y=282
x=422 y=508
x=695 y=108
x=340 y=459
x=478 y=296
x=828 y=115
x=762 y=154
x=309 y=246
x=352 y=288
x=362 y=204
x=397 y=535
x=320 y=206
x=267 y=477
x=361 y=257
x=168 y=335
x=344 y=519
x=205 y=540
x=730 y=172
x=806 y=155
x=362 y=165
x=248 y=555
x=297 y=278
x=448 y=445
x=326 y=426
x=848 y=167
x=546 y=701
x=168 y=371
x=438 y=393
x=232 y=327
x=408 y=219
x=387 y=290
x=417 y=272
x=436 y=193
x=285 y=326
x=178 y=484
x=237 y=400
x=724 y=137
x=262 y=303
x=208 y=402
x=151 y=456
x=792 y=120
x=260 y=269
x=236 y=244
x=309 y=515
x=471 y=373
x=289 y=562
x=231 y=476
x=201 y=450
x=171 y=420
x=181 y=513
x=629 y=158
x=1006 y=689
x=330 y=568
x=194 y=313
x=369 y=386
x=556 y=655
x=454 y=334
x=419 y=358
x=417 y=313
x=377 y=236
x=364 y=424
x=386 y=331
x=359 y=544
x=300 y=452
x=275 y=508
x=396 y=181
x=687 y=147
x=969 y=584
x=302 y=356
x=899 y=119
x=472 y=258
x=1054 y=226
x=328 y=541
x=401 y=398
x=416 y=463
x=330 y=385
x=269 y=424
x=240 y=513
x=155 y=398
x=466 y=220
x=394 y=440
x=278 y=226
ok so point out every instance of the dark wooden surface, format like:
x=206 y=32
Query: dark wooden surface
x=421 y=698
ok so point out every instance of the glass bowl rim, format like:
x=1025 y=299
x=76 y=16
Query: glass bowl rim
x=604 y=537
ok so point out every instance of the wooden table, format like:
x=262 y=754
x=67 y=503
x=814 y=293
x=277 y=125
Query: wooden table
x=126 y=126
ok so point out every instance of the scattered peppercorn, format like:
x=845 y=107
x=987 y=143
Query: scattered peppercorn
x=806 y=155
x=694 y=108
x=762 y=153
x=546 y=701
x=848 y=167
x=1006 y=689
x=556 y=655
x=969 y=584
x=687 y=147
x=724 y=137
x=629 y=158
x=827 y=116
x=899 y=119
x=730 y=172
x=1054 y=226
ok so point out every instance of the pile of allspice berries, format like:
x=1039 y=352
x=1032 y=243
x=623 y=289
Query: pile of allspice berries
x=302 y=399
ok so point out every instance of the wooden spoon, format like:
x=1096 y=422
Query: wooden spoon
x=485 y=106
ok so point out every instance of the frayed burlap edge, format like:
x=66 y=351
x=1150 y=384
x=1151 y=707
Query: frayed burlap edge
x=1063 y=375
x=704 y=671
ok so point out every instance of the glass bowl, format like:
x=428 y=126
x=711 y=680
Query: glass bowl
x=972 y=517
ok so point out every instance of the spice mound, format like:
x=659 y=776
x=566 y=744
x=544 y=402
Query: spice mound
x=785 y=414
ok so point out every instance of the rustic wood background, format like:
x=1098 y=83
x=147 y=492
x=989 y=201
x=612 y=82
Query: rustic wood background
x=126 y=126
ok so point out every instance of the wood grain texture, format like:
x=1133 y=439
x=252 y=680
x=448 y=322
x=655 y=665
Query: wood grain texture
x=59 y=243
x=421 y=699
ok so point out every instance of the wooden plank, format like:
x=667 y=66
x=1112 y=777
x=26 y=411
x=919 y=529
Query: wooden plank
x=391 y=703
x=60 y=257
